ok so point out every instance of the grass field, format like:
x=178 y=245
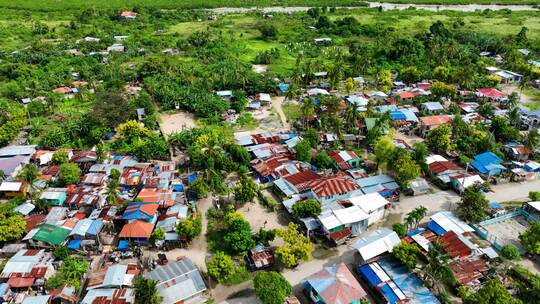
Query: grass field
x=52 y=5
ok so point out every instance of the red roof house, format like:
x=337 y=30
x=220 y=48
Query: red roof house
x=329 y=187
x=137 y=229
x=490 y=93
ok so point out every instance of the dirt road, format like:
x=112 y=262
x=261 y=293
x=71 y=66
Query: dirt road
x=276 y=104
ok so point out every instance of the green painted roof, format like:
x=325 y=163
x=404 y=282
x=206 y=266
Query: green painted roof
x=51 y=234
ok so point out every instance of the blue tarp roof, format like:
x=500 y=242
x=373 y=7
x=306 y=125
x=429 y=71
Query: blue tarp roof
x=123 y=245
x=407 y=282
x=178 y=188
x=415 y=231
x=74 y=244
x=389 y=294
x=398 y=115
x=369 y=275
x=486 y=162
x=283 y=87
x=433 y=226
x=495 y=205
x=192 y=177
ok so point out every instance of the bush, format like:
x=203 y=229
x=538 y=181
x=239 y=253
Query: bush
x=307 y=208
x=220 y=267
x=400 y=229
x=510 y=252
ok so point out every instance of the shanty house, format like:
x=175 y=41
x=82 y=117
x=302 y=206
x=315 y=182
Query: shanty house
x=344 y=160
x=332 y=285
x=376 y=243
x=178 y=282
x=488 y=163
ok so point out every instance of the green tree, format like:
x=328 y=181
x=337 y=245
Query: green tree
x=12 y=227
x=384 y=148
x=237 y=235
x=414 y=217
x=271 y=287
x=502 y=130
x=410 y=74
x=239 y=154
x=61 y=253
x=441 y=73
x=534 y=195
x=510 y=252
x=400 y=229
x=145 y=291
x=472 y=206
x=306 y=208
x=303 y=151
x=437 y=270
x=246 y=189
x=532 y=139
x=385 y=80
x=268 y=31
x=405 y=169
x=73 y=271
x=439 y=139
x=322 y=160
x=407 y=254
x=312 y=136
x=492 y=292
x=221 y=267
x=530 y=239
x=199 y=188
x=29 y=174
x=264 y=237
x=441 y=89
x=190 y=228
x=296 y=247
x=158 y=234
x=69 y=174
x=60 y=157
x=111 y=108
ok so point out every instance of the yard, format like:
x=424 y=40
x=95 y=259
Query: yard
x=507 y=231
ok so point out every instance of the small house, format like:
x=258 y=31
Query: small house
x=325 y=41
x=344 y=160
x=373 y=204
x=13 y=189
x=137 y=231
x=376 y=243
x=433 y=107
x=491 y=93
x=128 y=15
x=462 y=181
x=488 y=163
x=178 y=282
x=517 y=152
x=332 y=285
x=260 y=258
x=429 y=123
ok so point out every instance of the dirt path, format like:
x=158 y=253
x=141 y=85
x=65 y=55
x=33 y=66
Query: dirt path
x=524 y=99
x=198 y=248
x=276 y=104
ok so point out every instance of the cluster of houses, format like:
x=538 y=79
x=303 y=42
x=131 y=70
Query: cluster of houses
x=80 y=217
x=386 y=279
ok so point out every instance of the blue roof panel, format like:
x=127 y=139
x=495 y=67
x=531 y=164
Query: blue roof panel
x=369 y=275
x=433 y=226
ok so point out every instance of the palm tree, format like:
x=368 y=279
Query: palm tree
x=437 y=270
x=351 y=118
x=145 y=291
x=2 y=175
x=523 y=84
x=307 y=111
x=29 y=175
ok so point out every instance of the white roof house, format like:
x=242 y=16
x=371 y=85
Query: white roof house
x=25 y=208
x=435 y=158
x=10 y=186
x=380 y=241
x=449 y=222
x=350 y=215
x=369 y=202
x=535 y=205
x=316 y=91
